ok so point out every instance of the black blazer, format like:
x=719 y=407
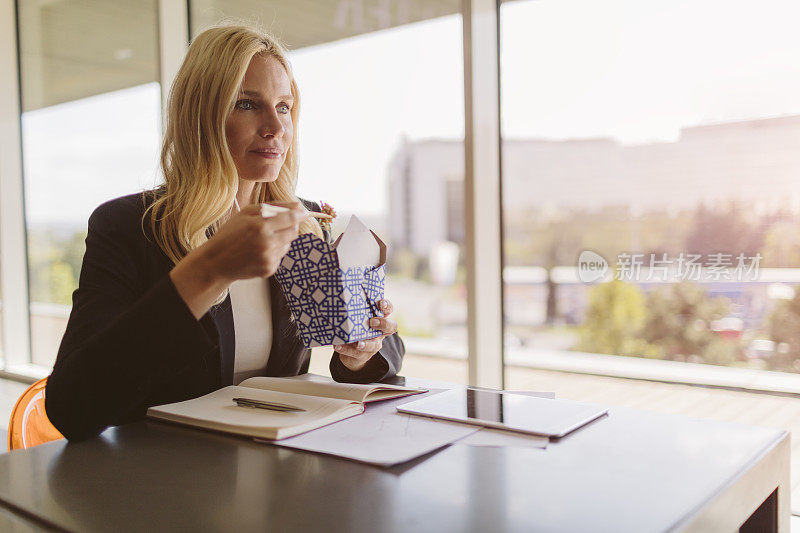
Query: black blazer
x=131 y=341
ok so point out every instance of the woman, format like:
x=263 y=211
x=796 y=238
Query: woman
x=176 y=294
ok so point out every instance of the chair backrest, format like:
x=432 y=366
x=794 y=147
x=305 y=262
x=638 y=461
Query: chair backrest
x=29 y=425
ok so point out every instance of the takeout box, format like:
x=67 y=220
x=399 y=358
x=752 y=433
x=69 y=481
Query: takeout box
x=333 y=290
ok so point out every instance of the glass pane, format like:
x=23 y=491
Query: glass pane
x=657 y=143
x=90 y=132
x=2 y=339
x=381 y=136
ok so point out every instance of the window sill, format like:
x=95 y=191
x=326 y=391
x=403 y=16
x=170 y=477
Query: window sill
x=626 y=367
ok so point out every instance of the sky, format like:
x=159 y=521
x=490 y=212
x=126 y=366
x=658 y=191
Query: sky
x=636 y=71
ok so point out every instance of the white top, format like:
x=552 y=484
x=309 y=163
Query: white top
x=252 y=326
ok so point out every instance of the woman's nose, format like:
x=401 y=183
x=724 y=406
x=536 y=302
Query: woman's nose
x=272 y=125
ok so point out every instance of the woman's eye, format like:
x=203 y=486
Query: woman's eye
x=284 y=108
x=245 y=104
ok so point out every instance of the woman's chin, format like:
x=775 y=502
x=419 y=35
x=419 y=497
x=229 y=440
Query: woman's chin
x=263 y=178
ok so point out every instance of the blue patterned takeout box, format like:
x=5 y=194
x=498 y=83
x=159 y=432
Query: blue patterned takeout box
x=331 y=305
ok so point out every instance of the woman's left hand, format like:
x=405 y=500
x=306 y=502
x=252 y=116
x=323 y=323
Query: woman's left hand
x=356 y=354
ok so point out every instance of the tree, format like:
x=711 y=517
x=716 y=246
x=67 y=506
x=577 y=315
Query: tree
x=54 y=259
x=615 y=318
x=724 y=231
x=61 y=282
x=74 y=247
x=679 y=318
x=782 y=245
x=672 y=322
x=783 y=326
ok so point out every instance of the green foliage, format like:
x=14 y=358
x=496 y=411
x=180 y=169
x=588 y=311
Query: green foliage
x=61 y=282
x=54 y=260
x=671 y=322
x=782 y=245
x=720 y=351
x=539 y=237
x=73 y=249
x=615 y=318
x=679 y=318
x=728 y=230
x=783 y=327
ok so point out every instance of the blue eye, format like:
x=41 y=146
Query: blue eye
x=241 y=103
x=284 y=106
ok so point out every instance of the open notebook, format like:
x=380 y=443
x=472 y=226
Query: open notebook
x=324 y=400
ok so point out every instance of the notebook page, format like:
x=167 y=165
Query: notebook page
x=312 y=384
x=217 y=410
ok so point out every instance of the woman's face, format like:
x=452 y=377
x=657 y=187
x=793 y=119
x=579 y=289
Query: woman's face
x=260 y=130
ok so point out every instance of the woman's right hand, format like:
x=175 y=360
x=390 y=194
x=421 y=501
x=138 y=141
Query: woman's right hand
x=249 y=245
x=246 y=246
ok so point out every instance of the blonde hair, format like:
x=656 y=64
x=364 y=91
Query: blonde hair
x=200 y=177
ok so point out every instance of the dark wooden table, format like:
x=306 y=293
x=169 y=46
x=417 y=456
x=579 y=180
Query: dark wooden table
x=629 y=471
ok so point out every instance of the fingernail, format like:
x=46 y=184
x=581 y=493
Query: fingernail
x=374 y=322
x=361 y=345
x=337 y=346
x=384 y=304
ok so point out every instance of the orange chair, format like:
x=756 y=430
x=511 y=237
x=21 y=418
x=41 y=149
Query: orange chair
x=29 y=425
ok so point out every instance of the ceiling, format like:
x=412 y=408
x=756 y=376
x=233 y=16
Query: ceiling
x=302 y=23
x=71 y=49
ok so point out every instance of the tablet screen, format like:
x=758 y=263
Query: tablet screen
x=507 y=410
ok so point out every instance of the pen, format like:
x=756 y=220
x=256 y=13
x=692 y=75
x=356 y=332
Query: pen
x=273 y=406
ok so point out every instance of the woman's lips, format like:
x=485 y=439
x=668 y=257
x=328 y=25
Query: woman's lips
x=268 y=155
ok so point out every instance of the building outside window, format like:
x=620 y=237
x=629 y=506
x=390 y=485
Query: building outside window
x=660 y=142
x=667 y=158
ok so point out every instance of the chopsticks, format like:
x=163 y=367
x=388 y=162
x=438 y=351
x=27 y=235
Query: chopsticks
x=272 y=209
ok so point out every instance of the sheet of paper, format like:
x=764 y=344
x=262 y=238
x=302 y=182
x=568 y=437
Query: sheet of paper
x=498 y=437
x=357 y=246
x=381 y=435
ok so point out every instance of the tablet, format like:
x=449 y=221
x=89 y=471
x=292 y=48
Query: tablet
x=505 y=410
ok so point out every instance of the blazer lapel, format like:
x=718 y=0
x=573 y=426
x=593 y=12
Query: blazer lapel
x=223 y=319
x=284 y=331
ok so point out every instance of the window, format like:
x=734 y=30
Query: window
x=2 y=349
x=658 y=143
x=381 y=136
x=90 y=132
